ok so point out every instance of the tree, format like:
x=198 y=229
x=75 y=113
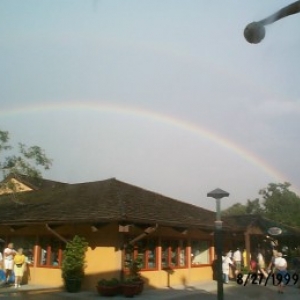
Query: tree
x=281 y=204
x=252 y=207
x=27 y=161
x=278 y=203
x=235 y=209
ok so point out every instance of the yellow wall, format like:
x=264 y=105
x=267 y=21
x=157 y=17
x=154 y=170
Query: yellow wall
x=164 y=278
x=45 y=276
x=104 y=257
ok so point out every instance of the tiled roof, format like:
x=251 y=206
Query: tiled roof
x=113 y=200
x=101 y=201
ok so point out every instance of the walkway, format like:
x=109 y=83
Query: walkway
x=206 y=291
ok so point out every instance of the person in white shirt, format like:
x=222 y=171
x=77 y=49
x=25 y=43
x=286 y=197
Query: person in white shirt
x=281 y=268
x=261 y=265
x=226 y=262
x=237 y=259
x=9 y=254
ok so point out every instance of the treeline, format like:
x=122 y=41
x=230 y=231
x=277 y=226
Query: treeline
x=276 y=202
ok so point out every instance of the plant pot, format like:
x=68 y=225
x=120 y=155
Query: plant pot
x=129 y=290
x=73 y=285
x=140 y=286
x=108 y=290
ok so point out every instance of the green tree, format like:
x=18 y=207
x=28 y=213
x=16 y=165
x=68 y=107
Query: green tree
x=251 y=207
x=235 y=209
x=25 y=161
x=254 y=207
x=281 y=204
x=278 y=203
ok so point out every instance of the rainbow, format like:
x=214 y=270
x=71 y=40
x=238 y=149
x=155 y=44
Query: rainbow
x=155 y=117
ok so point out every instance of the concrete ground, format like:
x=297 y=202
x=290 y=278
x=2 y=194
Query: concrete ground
x=204 y=291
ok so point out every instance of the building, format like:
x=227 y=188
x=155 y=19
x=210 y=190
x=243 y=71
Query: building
x=121 y=222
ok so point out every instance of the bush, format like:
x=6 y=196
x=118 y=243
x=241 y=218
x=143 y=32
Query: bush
x=73 y=264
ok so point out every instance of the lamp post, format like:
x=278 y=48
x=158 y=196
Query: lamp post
x=254 y=32
x=218 y=194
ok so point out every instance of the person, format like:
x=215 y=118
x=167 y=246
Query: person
x=261 y=265
x=19 y=265
x=271 y=266
x=226 y=262
x=9 y=254
x=253 y=262
x=237 y=259
x=245 y=262
x=281 y=268
x=2 y=274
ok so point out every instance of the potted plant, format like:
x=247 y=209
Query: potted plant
x=133 y=284
x=129 y=287
x=73 y=263
x=135 y=274
x=108 y=287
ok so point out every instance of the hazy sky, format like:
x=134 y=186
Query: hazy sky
x=162 y=94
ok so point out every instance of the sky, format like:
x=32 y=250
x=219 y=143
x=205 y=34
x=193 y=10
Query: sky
x=162 y=94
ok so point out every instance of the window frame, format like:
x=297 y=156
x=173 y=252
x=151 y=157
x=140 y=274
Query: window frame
x=135 y=254
x=209 y=249
x=178 y=248
x=49 y=252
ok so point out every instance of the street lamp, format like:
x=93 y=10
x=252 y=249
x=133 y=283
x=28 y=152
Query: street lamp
x=255 y=32
x=218 y=194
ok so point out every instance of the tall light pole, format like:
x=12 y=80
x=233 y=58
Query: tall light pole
x=218 y=194
x=255 y=32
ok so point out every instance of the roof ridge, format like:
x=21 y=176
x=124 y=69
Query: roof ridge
x=162 y=195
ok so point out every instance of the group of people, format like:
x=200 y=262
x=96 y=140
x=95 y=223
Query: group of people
x=231 y=260
x=13 y=261
x=235 y=260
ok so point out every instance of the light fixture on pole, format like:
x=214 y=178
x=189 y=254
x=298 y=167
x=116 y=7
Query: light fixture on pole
x=255 y=32
x=218 y=194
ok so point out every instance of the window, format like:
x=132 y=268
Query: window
x=145 y=251
x=173 y=253
x=50 y=252
x=27 y=243
x=200 y=253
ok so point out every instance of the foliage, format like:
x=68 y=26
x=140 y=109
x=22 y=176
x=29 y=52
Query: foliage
x=129 y=281
x=73 y=264
x=278 y=203
x=26 y=162
x=281 y=204
x=109 y=282
x=235 y=209
x=252 y=207
x=135 y=268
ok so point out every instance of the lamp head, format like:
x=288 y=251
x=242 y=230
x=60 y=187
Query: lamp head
x=217 y=194
x=254 y=32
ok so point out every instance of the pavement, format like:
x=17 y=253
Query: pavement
x=206 y=290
